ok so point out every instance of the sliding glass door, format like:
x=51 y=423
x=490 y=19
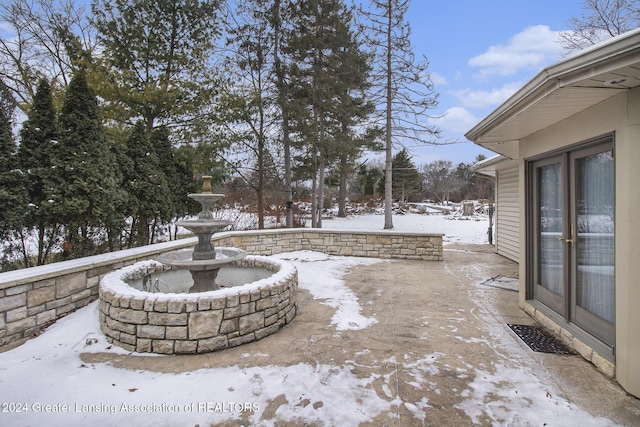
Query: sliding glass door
x=572 y=225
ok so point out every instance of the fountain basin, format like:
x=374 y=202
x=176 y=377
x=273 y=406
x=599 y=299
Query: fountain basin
x=187 y=323
x=181 y=281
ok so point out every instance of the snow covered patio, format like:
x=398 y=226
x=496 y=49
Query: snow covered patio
x=395 y=343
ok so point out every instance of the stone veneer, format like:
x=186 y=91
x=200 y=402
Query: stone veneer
x=32 y=298
x=374 y=244
x=605 y=366
x=201 y=322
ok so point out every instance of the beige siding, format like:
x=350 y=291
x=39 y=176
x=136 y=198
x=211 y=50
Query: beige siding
x=507 y=213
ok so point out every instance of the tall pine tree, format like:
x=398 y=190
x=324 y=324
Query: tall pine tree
x=178 y=175
x=354 y=109
x=157 y=63
x=86 y=185
x=38 y=140
x=12 y=192
x=278 y=17
x=327 y=76
x=145 y=184
x=407 y=182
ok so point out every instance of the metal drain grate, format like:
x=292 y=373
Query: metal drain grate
x=540 y=340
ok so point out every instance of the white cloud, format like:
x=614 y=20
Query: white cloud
x=438 y=79
x=456 y=120
x=534 y=47
x=481 y=98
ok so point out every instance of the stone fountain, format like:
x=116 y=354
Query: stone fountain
x=259 y=299
x=205 y=260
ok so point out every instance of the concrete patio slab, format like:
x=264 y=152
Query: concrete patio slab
x=441 y=352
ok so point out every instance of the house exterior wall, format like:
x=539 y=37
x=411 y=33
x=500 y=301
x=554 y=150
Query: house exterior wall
x=627 y=157
x=507 y=211
x=619 y=114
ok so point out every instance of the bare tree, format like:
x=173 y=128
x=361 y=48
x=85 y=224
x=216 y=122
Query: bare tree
x=250 y=103
x=439 y=179
x=601 y=20
x=402 y=86
x=44 y=39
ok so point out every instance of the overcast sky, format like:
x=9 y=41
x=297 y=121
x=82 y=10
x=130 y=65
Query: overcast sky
x=480 y=52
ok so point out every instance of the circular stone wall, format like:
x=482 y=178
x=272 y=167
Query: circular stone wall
x=200 y=322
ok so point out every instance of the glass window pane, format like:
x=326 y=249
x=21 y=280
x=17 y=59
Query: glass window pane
x=595 y=234
x=551 y=221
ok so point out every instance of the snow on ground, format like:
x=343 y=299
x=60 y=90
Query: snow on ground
x=45 y=382
x=52 y=387
x=472 y=229
x=321 y=275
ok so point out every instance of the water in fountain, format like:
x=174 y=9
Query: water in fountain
x=205 y=260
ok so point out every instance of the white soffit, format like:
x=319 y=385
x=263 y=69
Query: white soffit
x=556 y=107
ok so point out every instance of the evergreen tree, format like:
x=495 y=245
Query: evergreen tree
x=12 y=192
x=407 y=182
x=370 y=178
x=145 y=184
x=157 y=64
x=353 y=110
x=116 y=225
x=178 y=175
x=278 y=17
x=7 y=101
x=38 y=141
x=328 y=74
x=8 y=159
x=86 y=184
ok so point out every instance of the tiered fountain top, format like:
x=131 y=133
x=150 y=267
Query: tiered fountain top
x=204 y=255
x=205 y=221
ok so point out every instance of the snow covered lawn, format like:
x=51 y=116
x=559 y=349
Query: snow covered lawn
x=471 y=229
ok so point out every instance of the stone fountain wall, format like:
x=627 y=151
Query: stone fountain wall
x=197 y=323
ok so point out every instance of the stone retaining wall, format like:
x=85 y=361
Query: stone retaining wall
x=196 y=323
x=374 y=244
x=32 y=298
